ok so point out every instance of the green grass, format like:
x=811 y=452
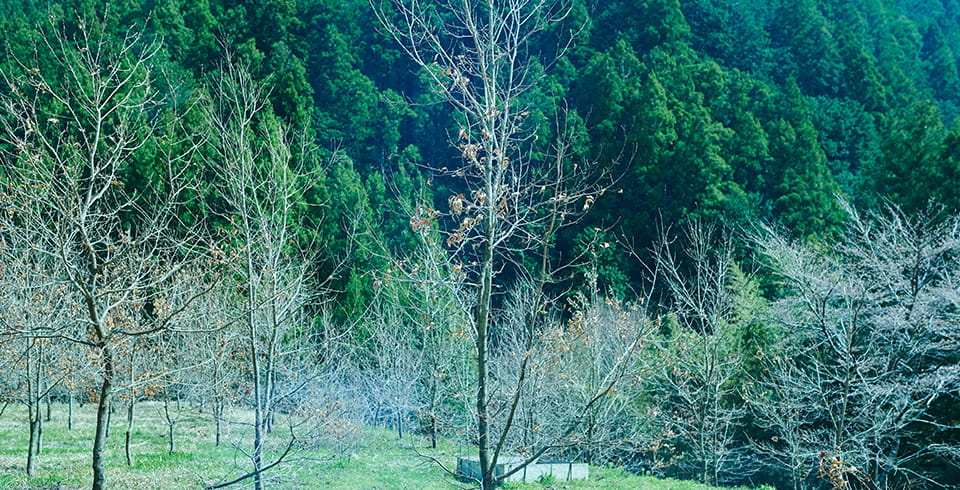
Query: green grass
x=616 y=479
x=377 y=460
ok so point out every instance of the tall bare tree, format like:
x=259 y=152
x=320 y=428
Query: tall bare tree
x=478 y=54
x=571 y=361
x=262 y=178
x=216 y=382
x=601 y=338
x=69 y=137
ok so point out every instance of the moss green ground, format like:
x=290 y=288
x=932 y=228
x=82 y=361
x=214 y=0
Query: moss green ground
x=376 y=459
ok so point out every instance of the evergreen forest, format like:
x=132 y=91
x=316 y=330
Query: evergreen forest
x=713 y=240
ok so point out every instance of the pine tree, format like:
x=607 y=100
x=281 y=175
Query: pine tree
x=803 y=190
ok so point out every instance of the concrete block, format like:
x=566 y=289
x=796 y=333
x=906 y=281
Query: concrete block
x=560 y=470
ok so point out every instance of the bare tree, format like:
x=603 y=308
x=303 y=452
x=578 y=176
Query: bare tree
x=262 y=179
x=69 y=139
x=696 y=383
x=30 y=318
x=393 y=382
x=870 y=333
x=217 y=381
x=602 y=337
x=417 y=344
x=150 y=367
x=570 y=362
x=478 y=55
x=784 y=405
x=184 y=358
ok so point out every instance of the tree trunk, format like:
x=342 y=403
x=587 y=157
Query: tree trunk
x=171 y=423
x=103 y=420
x=258 y=448
x=591 y=425
x=32 y=444
x=399 y=417
x=259 y=415
x=109 y=420
x=129 y=432
x=173 y=443
x=70 y=411
x=260 y=393
x=33 y=406
x=484 y=298
x=39 y=432
x=433 y=432
x=218 y=419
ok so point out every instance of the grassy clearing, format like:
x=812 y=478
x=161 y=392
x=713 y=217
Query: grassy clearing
x=376 y=460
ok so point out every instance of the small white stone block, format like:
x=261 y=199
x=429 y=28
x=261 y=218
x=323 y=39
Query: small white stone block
x=560 y=470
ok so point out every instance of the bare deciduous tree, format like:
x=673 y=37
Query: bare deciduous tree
x=870 y=333
x=581 y=376
x=417 y=343
x=478 y=55
x=31 y=317
x=69 y=139
x=215 y=382
x=261 y=169
x=697 y=392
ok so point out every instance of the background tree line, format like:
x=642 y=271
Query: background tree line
x=739 y=110
x=328 y=178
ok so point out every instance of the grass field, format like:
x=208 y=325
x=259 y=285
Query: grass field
x=376 y=459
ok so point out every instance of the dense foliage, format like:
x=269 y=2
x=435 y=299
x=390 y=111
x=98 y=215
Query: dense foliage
x=789 y=115
x=740 y=110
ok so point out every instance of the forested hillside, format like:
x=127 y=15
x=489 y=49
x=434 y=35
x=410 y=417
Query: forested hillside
x=706 y=239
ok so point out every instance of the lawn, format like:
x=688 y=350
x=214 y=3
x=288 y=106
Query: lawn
x=375 y=459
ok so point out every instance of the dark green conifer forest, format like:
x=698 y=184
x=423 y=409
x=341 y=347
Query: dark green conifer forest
x=716 y=240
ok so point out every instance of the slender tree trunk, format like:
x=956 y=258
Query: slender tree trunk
x=591 y=425
x=39 y=432
x=258 y=408
x=33 y=408
x=173 y=442
x=49 y=403
x=259 y=390
x=37 y=399
x=70 y=411
x=171 y=424
x=259 y=412
x=129 y=432
x=258 y=448
x=109 y=420
x=218 y=420
x=103 y=419
x=32 y=444
x=487 y=481
x=399 y=417
x=433 y=432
